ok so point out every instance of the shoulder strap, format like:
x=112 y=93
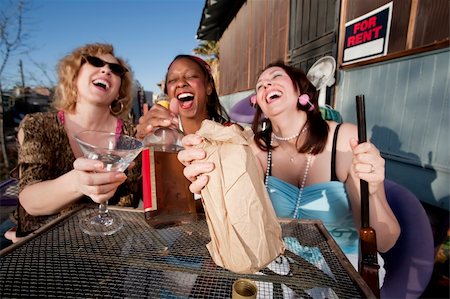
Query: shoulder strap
x=333 y=154
x=119 y=126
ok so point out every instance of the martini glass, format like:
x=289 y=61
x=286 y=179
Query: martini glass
x=116 y=151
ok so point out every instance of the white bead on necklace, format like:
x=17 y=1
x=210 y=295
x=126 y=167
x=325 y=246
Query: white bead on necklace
x=290 y=137
x=305 y=175
x=302 y=185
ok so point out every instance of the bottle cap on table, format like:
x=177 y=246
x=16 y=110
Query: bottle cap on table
x=244 y=289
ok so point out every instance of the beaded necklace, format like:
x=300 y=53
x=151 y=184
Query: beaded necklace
x=290 y=137
x=305 y=175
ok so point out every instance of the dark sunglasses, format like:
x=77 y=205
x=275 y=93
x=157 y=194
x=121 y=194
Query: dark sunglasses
x=115 y=68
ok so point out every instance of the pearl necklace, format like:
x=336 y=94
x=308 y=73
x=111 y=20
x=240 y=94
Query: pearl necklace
x=302 y=186
x=305 y=175
x=290 y=137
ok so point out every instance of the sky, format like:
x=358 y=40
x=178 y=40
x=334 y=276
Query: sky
x=148 y=34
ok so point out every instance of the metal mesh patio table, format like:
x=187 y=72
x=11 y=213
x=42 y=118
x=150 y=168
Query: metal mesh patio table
x=169 y=261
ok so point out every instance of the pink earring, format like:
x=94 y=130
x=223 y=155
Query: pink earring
x=304 y=99
x=253 y=100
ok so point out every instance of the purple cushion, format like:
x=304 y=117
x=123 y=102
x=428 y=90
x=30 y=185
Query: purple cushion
x=409 y=264
x=8 y=192
x=243 y=111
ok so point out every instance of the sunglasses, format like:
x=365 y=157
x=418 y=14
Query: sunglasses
x=115 y=68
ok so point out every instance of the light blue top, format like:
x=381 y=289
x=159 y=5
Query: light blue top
x=324 y=201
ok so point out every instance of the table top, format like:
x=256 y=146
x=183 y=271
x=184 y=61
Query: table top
x=171 y=261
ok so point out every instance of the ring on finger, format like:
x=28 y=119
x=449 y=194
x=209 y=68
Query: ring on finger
x=372 y=168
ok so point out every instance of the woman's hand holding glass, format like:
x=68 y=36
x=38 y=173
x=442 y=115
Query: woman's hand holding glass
x=93 y=181
x=115 y=151
x=196 y=170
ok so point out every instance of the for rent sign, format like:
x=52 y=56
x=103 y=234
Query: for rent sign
x=368 y=36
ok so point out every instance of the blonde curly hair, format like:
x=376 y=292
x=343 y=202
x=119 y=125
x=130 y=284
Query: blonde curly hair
x=68 y=69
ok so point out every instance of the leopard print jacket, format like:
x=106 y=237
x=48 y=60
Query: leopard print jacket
x=46 y=154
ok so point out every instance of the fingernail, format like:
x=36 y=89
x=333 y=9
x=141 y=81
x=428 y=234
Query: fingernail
x=98 y=165
x=120 y=175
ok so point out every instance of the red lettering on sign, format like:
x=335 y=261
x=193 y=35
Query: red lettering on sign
x=363 y=37
x=376 y=31
x=367 y=35
x=365 y=24
x=350 y=41
x=358 y=38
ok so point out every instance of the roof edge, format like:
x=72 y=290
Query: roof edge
x=216 y=16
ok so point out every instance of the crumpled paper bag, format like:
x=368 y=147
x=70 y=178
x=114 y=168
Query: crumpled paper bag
x=245 y=232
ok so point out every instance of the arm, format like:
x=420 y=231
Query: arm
x=49 y=196
x=355 y=162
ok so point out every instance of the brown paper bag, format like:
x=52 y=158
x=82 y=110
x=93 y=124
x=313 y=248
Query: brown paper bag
x=245 y=232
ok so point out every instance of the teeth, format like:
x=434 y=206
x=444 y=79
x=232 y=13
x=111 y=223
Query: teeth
x=273 y=94
x=185 y=95
x=101 y=82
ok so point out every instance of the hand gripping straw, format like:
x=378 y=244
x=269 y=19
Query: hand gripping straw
x=368 y=263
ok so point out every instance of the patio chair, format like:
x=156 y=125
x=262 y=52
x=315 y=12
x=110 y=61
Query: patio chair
x=409 y=264
x=328 y=113
x=243 y=111
x=8 y=192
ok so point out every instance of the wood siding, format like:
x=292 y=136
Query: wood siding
x=313 y=31
x=256 y=36
x=407 y=107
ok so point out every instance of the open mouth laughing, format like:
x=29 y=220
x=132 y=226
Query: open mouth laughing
x=272 y=96
x=186 y=100
x=101 y=83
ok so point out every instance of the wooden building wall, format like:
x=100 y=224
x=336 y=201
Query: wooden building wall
x=257 y=36
x=314 y=26
x=407 y=91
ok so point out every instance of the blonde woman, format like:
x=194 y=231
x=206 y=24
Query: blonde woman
x=93 y=93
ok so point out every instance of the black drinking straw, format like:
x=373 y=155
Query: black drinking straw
x=368 y=261
x=362 y=137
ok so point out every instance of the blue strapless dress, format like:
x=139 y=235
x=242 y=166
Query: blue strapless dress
x=324 y=201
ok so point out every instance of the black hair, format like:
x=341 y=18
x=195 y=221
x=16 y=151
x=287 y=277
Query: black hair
x=215 y=110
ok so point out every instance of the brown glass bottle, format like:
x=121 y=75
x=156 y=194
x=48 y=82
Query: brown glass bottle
x=174 y=201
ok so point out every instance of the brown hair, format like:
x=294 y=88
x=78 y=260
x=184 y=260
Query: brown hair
x=68 y=69
x=317 y=132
